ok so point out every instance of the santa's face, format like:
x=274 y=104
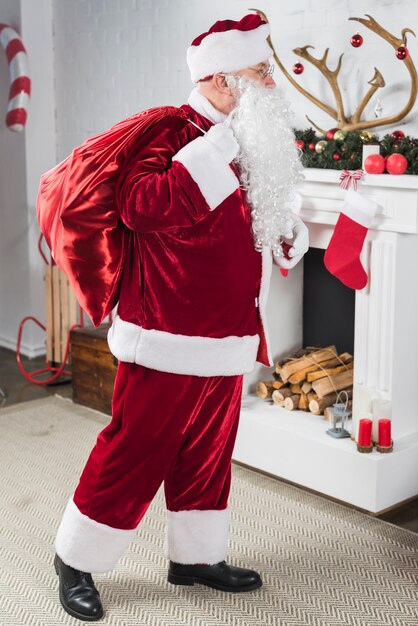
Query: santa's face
x=260 y=74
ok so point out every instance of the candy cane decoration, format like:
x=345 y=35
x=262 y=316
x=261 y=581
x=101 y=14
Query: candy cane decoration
x=19 y=78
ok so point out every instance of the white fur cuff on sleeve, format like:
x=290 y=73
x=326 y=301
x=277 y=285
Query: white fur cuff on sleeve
x=215 y=178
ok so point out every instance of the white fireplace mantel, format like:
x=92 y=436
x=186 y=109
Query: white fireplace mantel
x=294 y=445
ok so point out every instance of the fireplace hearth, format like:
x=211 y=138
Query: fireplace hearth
x=292 y=445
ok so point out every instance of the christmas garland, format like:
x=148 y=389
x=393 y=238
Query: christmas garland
x=340 y=150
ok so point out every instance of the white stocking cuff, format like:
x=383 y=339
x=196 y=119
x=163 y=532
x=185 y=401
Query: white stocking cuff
x=358 y=208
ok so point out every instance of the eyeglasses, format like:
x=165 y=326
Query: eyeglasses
x=264 y=70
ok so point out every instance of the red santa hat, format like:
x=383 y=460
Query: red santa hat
x=229 y=46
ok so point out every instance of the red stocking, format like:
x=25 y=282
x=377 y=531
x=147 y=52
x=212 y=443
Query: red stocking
x=342 y=257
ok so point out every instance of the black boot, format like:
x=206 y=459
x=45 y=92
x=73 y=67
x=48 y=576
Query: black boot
x=219 y=576
x=78 y=595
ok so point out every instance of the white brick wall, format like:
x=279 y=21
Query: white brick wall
x=115 y=57
x=23 y=158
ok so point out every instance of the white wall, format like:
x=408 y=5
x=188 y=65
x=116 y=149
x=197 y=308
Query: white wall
x=114 y=57
x=40 y=141
x=14 y=253
x=323 y=24
x=23 y=157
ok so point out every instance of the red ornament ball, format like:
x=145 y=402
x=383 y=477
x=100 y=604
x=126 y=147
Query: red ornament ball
x=330 y=134
x=336 y=156
x=397 y=134
x=299 y=143
x=396 y=164
x=374 y=164
x=298 y=68
x=402 y=52
x=356 y=40
x=311 y=146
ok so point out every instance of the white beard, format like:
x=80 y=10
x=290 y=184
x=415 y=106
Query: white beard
x=268 y=160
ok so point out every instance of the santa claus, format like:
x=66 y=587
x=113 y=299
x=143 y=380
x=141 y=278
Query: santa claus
x=208 y=197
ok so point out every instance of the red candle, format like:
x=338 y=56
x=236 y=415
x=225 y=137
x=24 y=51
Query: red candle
x=385 y=438
x=365 y=433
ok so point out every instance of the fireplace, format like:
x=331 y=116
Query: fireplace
x=328 y=306
x=294 y=446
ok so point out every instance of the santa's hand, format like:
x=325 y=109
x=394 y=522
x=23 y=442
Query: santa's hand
x=223 y=139
x=298 y=237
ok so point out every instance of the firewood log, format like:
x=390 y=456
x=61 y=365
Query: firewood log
x=279 y=395
x=324 y=386
x=317 y=356
x=311 y=396
x=328 y=415
x=317 y=406
x=300 y=376
x=306 y=387
x=296 y=389
x=264 y=389
x=303 y=402
x=312 y=376
x=292 y=402
x=277 y=400
x=278 y=384
x=291 y=357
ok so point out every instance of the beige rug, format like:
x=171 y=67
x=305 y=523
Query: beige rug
x=322 y=563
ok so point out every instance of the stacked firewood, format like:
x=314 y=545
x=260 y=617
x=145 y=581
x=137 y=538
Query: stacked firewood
x=310 y=380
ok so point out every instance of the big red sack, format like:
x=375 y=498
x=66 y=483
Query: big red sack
x=78 y=216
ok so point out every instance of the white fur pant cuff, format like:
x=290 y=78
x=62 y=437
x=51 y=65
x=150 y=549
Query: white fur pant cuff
x=87 y=545
x=197 y=536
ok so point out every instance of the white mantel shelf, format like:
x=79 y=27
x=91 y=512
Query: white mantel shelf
x=294 y=445
x=405 y=181
x=396 y=197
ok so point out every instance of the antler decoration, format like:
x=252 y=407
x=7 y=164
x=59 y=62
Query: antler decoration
x=331 y=76
x=354 y=121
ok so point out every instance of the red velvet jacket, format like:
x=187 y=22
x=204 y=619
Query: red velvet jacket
x=192 y=297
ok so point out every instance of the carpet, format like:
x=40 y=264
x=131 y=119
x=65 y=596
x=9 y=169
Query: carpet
x=323 y=564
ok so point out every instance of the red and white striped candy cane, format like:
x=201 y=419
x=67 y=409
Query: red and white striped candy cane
x=19 y=77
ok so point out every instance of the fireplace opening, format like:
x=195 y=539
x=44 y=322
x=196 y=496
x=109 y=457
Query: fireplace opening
x=328 y=306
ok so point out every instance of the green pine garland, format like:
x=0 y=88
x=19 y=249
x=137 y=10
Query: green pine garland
x=349 y=150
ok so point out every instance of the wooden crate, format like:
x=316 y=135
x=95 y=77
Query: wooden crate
x=93 y=367
x=61 y=313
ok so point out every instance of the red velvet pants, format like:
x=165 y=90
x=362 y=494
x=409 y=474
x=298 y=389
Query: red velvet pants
x=165 y=427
